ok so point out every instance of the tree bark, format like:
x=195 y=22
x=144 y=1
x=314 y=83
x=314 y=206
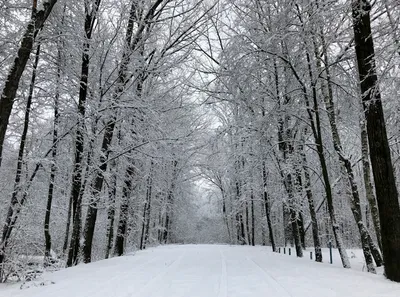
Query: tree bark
x=123 y=212
x=16 y=203
x=53 y=168
x=345 y=164
x=268 y=208
x=313 y=114
x=382 y=168
x=36 y=23
x=112 y=192
x=311 y=207
x=369 y=189
x=302 y=233
x=67 y=227
x=77 y=182
x=170 y=203
x=147 y=211
x=224 y=212
x=149 y=194
x=131 y=43
x=315 y=122
x=246 y=211
x=97 y=185
x=293 y=215
x=252 y=219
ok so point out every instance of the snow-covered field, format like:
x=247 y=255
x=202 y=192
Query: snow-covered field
x=208 y=271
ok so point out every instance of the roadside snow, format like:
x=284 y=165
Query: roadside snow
x=207 y=271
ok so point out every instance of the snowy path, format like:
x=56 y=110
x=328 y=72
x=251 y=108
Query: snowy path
x=208 y=271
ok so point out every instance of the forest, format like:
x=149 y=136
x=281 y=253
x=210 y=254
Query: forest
x=135 y=123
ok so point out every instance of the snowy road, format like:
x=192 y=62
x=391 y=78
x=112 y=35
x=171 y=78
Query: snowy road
x=207 y=271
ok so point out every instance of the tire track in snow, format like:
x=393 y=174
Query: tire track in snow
x=144 y=290
x=223 y=285
x=117 y=277
x=61 y=286
x=274 y=284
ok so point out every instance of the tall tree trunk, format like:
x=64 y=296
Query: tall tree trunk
x=268 y=208
x=67 y=227
x=345 y=164
x=148 y=210
x=224 y=212
x=170 y=203
x=252 y=219
x=112 y=192
x=311 y=207
x=141 y=245
x=242 y=235
x=293 y=215
x=239 y=214
x=97 y=185
x=263 y=223
x=77 y=182
x=369 y=189
x=299 y=191
x=53 y=168
x=130 y=45
x=302 y=232
x=286 y=139
x=315 y=122
x=38 y=18
x=382 y=168
x=60 y=62
x=123 y=212
x=328 y=189
x=246 y=211
x=16 y=204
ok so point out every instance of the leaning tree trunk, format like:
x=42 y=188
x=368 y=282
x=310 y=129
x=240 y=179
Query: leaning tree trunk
x=315 y=123
x=36 y=23
x=316 y=129
x=345 y=164
x=12 y=214
x=382 y=168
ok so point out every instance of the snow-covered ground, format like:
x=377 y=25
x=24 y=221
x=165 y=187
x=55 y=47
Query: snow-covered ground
x=207 y=271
